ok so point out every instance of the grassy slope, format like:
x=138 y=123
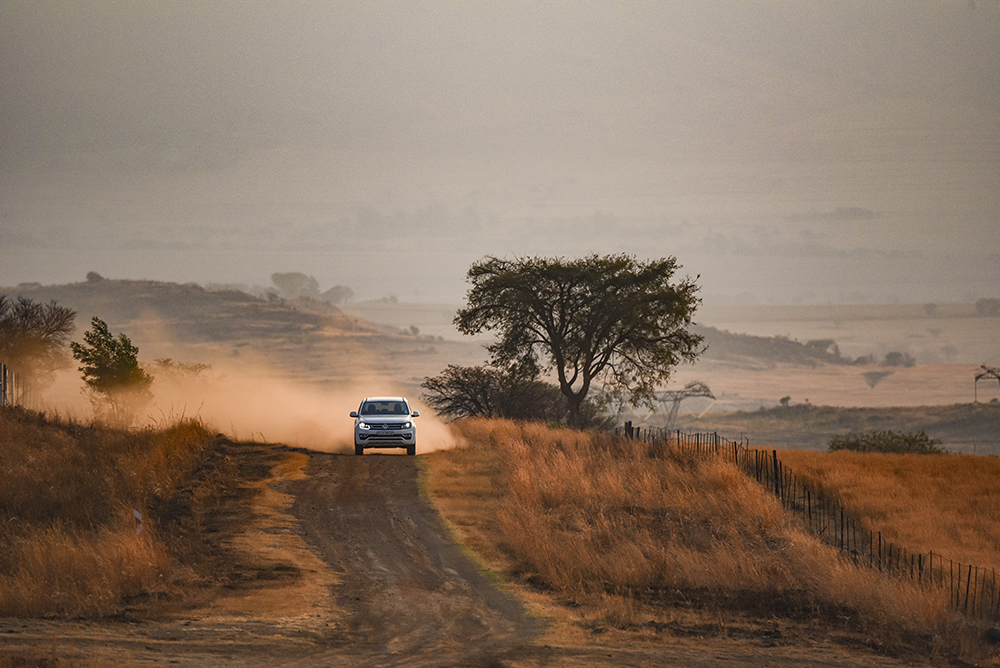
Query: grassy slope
x=639 y=543
x=68 y=541
x=947 y=505
x=68 y=498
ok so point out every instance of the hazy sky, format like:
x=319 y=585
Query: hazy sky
x=784 y=151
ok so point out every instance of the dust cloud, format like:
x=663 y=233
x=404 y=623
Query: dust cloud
x=248 y=401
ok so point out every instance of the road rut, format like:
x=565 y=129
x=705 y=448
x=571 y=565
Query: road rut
x=409 y=593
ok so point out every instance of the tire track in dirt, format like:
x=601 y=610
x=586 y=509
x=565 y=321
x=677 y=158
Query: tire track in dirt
x=409 y=593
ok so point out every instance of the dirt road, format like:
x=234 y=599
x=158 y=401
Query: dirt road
x=410 y=594
x=356 y=569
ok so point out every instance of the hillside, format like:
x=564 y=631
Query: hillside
x=747 y=348
x=650 y=544
x=303 y=339
x=190 y=312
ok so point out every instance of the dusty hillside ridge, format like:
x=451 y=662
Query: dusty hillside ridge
x=287 y=371
x=192 y=313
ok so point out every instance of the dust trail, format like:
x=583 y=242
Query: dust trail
x=252 y=402
x=248 y=401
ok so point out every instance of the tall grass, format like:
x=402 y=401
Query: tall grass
x=67 y=539
x=945 y=504
x=620 y=525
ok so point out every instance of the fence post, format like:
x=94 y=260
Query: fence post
x=954 y=587
x=777 y=491
x=841 y=528
x=996 y=610
x=993 y=591
x=968 y=580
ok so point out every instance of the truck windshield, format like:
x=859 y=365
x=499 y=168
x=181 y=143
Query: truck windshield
x=384 y=408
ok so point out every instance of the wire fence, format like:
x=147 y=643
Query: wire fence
x=16 y=389
x=11 y=387
x=972 y=590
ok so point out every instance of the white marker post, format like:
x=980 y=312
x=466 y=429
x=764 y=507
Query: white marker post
x=138 y=521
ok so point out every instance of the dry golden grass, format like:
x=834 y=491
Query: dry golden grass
x=946 y=504
x=630 y=531
x=66 y=523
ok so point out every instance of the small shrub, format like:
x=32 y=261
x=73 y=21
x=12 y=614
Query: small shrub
x=899 y=359
x=888 y=441
x=118 y=384
x=513 y=393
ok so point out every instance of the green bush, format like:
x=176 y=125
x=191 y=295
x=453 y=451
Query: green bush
x=888 y=441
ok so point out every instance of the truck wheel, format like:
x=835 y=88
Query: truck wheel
x=411 y=449
x=359 y=449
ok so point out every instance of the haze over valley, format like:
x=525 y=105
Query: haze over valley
x=785 y=153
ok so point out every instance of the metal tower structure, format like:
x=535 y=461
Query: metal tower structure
x=670 y=400
x=987 y=372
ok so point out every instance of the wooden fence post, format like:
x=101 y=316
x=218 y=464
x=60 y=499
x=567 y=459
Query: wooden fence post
x=777 y=490
x=996 y=609
x=968 y=580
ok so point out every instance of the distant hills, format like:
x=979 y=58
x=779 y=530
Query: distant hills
x=725 y=346
x=305 y=339
x=190 y=312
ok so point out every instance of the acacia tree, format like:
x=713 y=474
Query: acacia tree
x=119 y=386
x=609 y=319
x=33 y=338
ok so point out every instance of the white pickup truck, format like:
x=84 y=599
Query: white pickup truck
x=385 y=422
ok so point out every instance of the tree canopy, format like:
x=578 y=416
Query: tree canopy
x=33 y=337
x=111 y=370
x=611 y=319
